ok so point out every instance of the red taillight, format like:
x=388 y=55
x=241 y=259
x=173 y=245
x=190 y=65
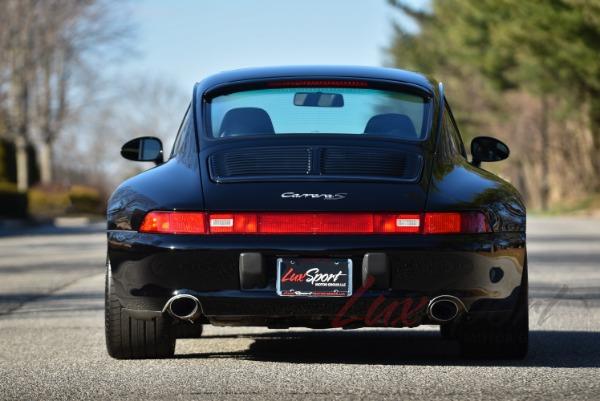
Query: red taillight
x=314 y=223
x=442 y=223
x=174 y=223
x=475 y=222
x=454 y=223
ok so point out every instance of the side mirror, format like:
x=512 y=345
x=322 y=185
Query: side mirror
x=488 y=149
x=143 y=149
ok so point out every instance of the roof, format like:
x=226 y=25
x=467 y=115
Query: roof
x=324 y=71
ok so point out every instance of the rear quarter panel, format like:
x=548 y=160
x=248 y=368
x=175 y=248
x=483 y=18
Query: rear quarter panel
x=174 y=185
x=457 y=185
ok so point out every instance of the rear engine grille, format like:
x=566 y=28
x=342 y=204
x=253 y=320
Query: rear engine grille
x=260 y=162
x=330 y=163
x=363 y=162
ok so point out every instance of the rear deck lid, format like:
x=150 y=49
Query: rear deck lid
x=315 y=175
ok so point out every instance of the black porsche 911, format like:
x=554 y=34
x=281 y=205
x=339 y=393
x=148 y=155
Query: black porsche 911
x=316 y=197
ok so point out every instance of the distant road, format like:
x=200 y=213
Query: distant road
x=52 y=339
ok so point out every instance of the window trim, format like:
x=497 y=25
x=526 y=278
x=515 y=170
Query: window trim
x=448 y=109
x=180 y=132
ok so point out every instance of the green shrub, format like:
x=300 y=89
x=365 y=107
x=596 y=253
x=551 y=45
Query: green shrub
x=48 y=201
x=85 y=200
x=8 y=186
x=54 y=201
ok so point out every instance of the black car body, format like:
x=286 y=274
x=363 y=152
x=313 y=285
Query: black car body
x=417 y=233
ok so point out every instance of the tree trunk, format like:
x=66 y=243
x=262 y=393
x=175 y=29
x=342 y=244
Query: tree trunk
x=545 y=155
x=45 y=160
x=21 y=66
x=22 y=164
x=21 y=134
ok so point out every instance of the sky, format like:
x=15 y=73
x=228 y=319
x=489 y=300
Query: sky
x=177 y=43
x=185 y=40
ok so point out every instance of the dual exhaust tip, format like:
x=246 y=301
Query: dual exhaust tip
x=183 y=307
x=444 y=308
x=441 y=309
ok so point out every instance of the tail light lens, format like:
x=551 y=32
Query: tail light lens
x=314 y=223
x=442 y=223
x=455 y=223
x=233 y=223
x=397 y=223
x=174 y=223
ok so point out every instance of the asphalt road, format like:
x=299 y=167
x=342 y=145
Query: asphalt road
x=52 y=339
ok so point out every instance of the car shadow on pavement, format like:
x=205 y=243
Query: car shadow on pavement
x=565 y=349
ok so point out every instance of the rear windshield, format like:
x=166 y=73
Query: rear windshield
x=319 y=110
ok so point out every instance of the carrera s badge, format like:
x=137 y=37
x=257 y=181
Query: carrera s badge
x=293 y=195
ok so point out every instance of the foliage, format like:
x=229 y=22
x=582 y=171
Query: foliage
x=85 y=200
x=53 y=201
x=6 y=187
x=48 y=201
x=526 y=71
x=545 y=46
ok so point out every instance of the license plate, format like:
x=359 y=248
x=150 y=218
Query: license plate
x=314 y=277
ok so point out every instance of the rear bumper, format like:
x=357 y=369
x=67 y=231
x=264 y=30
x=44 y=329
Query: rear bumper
x=148 y=269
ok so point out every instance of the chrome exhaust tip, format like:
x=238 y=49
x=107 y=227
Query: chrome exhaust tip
x=183 y=307
x=444 y=308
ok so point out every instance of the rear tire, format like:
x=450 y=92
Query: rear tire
x=502 y=340
x=130 y=338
